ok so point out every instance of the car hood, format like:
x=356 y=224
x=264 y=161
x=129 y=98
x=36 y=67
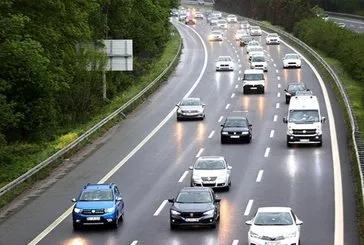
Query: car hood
x=235 y=129
x=210 y=173
x=259 y=62
x=193 y=207
x=291 y=60
x=94 y=205
x=223 y=62
x=273 y=231
x=191 y=108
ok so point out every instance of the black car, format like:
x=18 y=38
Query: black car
x=244 y=40
x=195 y=206
x=236 y=128
x=292 y=88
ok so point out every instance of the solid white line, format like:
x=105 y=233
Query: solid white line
x=183 y=176
x=279 y=94
x=279 y=85
x=277 y=71
x=220 y=119
x=134 y=242
x=271 y=133
x=236 y=86
x=211 y=134
x=235 y=242
x=160 y=208
x=238 y=60
x=260 y=175
x=248 y=207
x=63 y=216
x=274 y=65
x=227 y=106
x=238 y=80
x=200 y=152
x=266 y=153
x=275 y=118
x=232 y=95
x=277 y=105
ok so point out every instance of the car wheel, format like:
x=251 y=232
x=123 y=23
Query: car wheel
x=115 y=224
x=249 y=139
x=245 y=91
x=289 y=145
x=287 y=100
x=172 y=226
x=262 y=90
x=227 y=188
x=213 y=226
x=319 y=144
x=223 y=140
x=178 y=119
x=76 y=226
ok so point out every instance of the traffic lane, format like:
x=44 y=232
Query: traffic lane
x=94 y=162
x=353 y=24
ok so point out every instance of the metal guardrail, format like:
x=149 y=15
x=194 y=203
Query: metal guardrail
x=358 y=144
x=89 y=132
x=336 y=14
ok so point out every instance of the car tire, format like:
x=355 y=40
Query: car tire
x=262 y=91
x=115 y=224
x=172 y=226
x=287 y=100
x=76 y=226
x=227 y=188
x=289 y=145
x=245 y=91
x=249 y=140
x=213 y=226
x=223 y=140
x=319 y=144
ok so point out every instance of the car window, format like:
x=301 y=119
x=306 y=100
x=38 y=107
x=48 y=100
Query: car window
x=253 y=77
x=236 y=123
x=216 y=32
x=204 y=164
x=190 y=102
x=296 y=87
x=273 y=218
x=96 y=195
x=194 y=197
x=291 y=56
x=258 y=59
x=117 y=193
x=224 y=58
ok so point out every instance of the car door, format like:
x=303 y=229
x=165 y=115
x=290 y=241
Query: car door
x=119 y=204
x=217 y=204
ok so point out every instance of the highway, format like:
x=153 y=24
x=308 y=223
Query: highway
x=352 y=24
x=152 y=152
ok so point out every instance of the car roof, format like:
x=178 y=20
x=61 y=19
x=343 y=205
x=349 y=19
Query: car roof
x=253 y=71
x=211 y=157
x=197 y=189
x=98 y=186
x=273 y=209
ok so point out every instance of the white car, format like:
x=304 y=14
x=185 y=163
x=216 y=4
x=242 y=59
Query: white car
x=211 y=171
x=182 y=16
x=259 y=62
x=258 y=50
x=222 y=24
x=253 y=81
x=198 y=15
x=292 y=60
x=215 y=36
x=214 y=21
x=231 y=18
x=240 y=33
x=255 y=31
x=224 y=63
x=272 y=38
x=252 y=44
x=218 y=14
x=341 y=25
x=274 y=225
x=244 y=24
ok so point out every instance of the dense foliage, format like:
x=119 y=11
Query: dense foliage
x=46 y=48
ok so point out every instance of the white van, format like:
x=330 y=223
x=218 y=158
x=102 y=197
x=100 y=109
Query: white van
x=304 y=121
x=253 y=81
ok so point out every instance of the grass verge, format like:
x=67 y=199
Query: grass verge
x=29 y=155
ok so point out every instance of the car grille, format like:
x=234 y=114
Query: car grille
x=235 y=133
x=93 y=211
x=208 y=178
x=189 y=111
x=304 y=131
x=273 y=40
x=267 y=238
x=291 y=63
x=192 y=215
x=259 y=66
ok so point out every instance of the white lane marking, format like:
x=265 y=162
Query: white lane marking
x=235 y=242
x=211 y=134
x=266 y=153
x=239 y=65
x=275 y=118
x=279 y=85
x=239 y=60
x=277 y=71
x=134 y=242
x=277 y=105
x=248 y=207
x=236 y=86
x=227 y=106
x=160 y=208
x=63 y=216
x=220 y=119
x=236 y=51
x=271 y=60
x=183 y=176
x=259 y=176
x=200 y=152
x=278 y=78
x=271 y=133
x=274 y=65
x=240 y=72
x=338 y=191
x=279 y=94
x=351 y=25
x=239 y=78
x=232 y=95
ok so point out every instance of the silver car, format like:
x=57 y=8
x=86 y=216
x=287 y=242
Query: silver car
x=190 y=108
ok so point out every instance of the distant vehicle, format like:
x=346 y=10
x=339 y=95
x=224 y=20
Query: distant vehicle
x=293 y=88
x=190 y=21
x=255 y=31
x=255 y=51
x=236 y=128
x=224 y=63
x=98 y=204
x=272 y=38
x=252 y=44
x=272 y=224
x=215 y=36
x=195 y=206
x=198 y=15
x=190 y=108
x=216 y=28
x=214 y=20
x=218 y=14
x=211 y=171
x=239 y=33
x=244 y=24
x=174 y=13
x=222 y=24
x=292 y=60
x=231 y=18
x=253 y=81
x=244 y=40
x=325 y=17
x=259 y=62
x=182 y=16
x=342 y=25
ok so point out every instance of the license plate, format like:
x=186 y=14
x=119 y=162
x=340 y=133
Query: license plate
x=209 y=182
x=272 y=243
x=93 y=218
x=304 y=140
x=234 y=136
x=253 y=87
x=191 y=219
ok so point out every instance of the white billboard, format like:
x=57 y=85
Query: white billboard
x=120 y=53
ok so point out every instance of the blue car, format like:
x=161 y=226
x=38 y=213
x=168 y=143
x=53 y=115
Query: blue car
x=98 y=204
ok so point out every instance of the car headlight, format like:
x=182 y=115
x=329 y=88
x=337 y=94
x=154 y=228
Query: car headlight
x=221 y=178
x=244 y=133
x=174 y=212
x=290 y=130
x=255 y=235
x=288 y=94
x=210 y=212
x=196 y=178
x=109 y=210
x=291 y=235
x=225 y=133
x=77 y=210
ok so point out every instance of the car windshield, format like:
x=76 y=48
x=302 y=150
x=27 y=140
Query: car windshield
x=194 y=197
x=204 y=164
x=231 y=16
x=258 y=59
x=252 y=44
x=296 y=87
x=273 y=218
x=303 y=116
x=216 y=32
x=190 y=102
x=96 y=195
x=224 y=58
x=291 y=56
x=236 y=123
x=273 y=35
x=253 y=77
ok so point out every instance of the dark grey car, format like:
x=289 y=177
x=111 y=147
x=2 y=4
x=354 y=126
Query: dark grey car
x=236 y=128
x=293 y=88
x=190 y=108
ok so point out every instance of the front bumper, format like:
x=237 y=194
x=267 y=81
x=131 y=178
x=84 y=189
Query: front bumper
x=224 y=68
x=104 y=219
x=304 y=139
x=201 y=221
x=211 y=184
x=273 y=42
x=291 y=64
x=287 y=241
x=257 y=87
x=238 y=137
x=186 y=115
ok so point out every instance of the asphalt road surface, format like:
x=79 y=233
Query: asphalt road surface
x=352 y=24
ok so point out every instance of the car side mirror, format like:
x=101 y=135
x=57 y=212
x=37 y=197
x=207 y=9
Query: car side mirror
x=229 y=168
x=308 y=89
x=285 y=120
x=299 y=222
x=203 y=104
x=285 y=90
x=249 y=222
x=190 y=168
x=119 y=199
x=73 y=200
x=217 y=199
x=171 y=200
x=323 y=119
x=177 y=105
x=222 y=125
x=250 y=125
